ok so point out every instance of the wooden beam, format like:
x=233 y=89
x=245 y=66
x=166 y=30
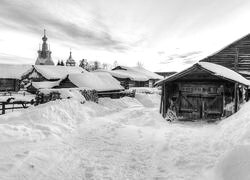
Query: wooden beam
x=236 y=96
x=164 y=100
x=161 y=99
x=3 y=108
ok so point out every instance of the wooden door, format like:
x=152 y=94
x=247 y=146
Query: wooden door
x=212 y=107
x=190 y=106
x=200 y=102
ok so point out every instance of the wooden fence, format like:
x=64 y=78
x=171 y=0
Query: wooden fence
x=14 y=105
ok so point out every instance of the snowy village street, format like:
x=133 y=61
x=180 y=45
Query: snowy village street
x=115 y=139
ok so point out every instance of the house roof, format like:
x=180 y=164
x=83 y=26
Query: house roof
x=57 y=72
x=133 y=73
x=99 y=81
x=214 y=69
x=45 y=84
x=13 y=71
x=225 y=47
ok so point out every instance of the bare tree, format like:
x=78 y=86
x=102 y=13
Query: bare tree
x=104 y=65
x=115 y=64
x=96 y=65
x=84 y=64
x=139 y=64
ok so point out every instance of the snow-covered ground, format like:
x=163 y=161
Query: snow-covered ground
x=120 y=139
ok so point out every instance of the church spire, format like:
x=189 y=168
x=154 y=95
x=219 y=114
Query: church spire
x=44 y=36
x=44 y=54
x=70 y=61
x=70 y=54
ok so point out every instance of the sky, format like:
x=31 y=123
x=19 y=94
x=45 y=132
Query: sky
x=164 y=35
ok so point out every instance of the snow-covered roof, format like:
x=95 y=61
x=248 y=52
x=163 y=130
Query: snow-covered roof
x=57 y=72
x=211 y=68
x=13 y=71
x=45 y=84
x=99 y=81
x=134 y=73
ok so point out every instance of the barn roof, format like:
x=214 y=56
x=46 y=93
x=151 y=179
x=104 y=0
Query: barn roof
x=13 y=71
x=57 y=72
x=133 y=73
x=211 y=68
x=99 y=81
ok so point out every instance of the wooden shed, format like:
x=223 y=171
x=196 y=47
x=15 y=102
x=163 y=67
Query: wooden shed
x=203 y=91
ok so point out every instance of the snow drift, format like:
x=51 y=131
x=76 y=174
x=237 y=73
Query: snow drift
x=120 y=139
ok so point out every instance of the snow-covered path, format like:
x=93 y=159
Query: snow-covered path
x=117 y=139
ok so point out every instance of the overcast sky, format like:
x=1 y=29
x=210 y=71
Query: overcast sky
x=165 y=35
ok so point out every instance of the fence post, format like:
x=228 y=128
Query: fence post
x=3 y=108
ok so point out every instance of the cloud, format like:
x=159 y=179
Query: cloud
x=161 y=53
x=30 y=18
x=13 y=59
x=187 y=58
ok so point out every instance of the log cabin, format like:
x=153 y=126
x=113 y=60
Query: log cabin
x=204 y=91
x=134 y=76
x=235 y=56
x=11 y=75
x=100 y=81
x=39 y=73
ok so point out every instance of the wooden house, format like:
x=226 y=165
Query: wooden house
x=134 y=76
x=99 y=81
x=40 y=73
x=235 y=56
x=11 y=75
x=203 y=91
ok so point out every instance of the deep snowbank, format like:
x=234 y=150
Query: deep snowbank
x=120 y=139
x=233 y=143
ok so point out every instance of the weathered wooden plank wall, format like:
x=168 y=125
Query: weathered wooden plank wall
x=226 y=57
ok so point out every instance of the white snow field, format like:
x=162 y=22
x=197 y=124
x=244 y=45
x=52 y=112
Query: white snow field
x=120 y=139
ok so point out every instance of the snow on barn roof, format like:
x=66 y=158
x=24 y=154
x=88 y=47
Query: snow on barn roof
x=99 y=81
x=213 y=69
x=45 y=84
x=133 y=73
x=13 y=71
x=57 y=72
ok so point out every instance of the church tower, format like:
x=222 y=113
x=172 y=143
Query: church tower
x=70 y=61
x=44 y=55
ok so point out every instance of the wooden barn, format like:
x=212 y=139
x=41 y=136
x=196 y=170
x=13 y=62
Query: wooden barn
x=235 y=56
x=134 y=76
x=11 y=75
x=203 y=91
